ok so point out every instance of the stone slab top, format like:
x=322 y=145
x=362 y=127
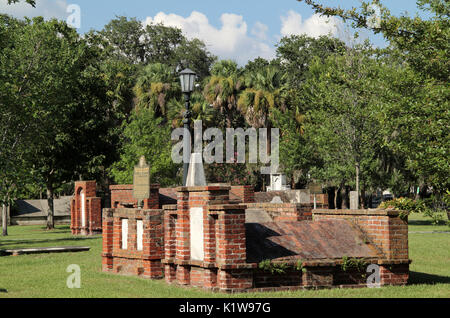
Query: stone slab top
x=126 y=212
x=225 y=207
x=169 y=207
x=307 y=240
x=375 y=212
x=209 y=187
x=37 y=250
x=130 y=186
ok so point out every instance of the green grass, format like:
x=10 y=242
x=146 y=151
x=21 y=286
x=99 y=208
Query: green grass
x=44 y=275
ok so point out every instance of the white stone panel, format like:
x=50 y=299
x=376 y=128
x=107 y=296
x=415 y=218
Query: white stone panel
x=124 y=234
x=140 y=234
x=83 y=209
x=196 y=228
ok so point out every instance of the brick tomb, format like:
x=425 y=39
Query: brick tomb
x=206 y=241
x=85 y=209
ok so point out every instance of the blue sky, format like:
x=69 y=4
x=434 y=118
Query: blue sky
x=238 y=29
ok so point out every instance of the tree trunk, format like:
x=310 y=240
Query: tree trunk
x=363 y=198
x=50 y=211
x=8 y=211
x=336 y=190
x=357 y=182
x=4 y=221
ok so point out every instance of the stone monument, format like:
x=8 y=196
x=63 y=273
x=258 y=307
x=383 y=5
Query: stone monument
x=141 y=182
x=354 y=200
x=196 y=173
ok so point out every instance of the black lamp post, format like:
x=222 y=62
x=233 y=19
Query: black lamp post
x=187 y=79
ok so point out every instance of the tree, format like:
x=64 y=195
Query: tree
x=346 y=94
x=223 y=88
x=423 y=45
x=262 y=94
x=155 y=86
x=55 y=80
x=124 y=36
x=154 y=43
x=15 y=122
x=30 y=2
x=146 y=135
x=194 y=55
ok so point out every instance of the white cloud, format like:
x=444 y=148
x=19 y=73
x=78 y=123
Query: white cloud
x=315 y=26
x=230 y=41
x=46 y=8
x=259 y=30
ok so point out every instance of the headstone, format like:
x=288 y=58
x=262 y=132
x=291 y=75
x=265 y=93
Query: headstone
x=303 y=196
x=276 y=199
x=354 y=200
x=141 y=181
x=278 y=182
x=196 y=173
x=315 y=188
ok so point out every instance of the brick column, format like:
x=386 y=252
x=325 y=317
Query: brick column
x=152 y=249
x=231 y=234
x=107 y=233
x=170 y=221
x=183 y=251
x=95 y=215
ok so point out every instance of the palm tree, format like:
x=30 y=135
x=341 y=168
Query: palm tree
x=263 y=93
x=156 y=84
x=223 y=88
x=201 y=110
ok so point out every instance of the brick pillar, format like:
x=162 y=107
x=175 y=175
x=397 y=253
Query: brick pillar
x=170 y=221
x=72 y=215
x=170 y=273
x=210 y=223
x=231 y=234
x=152 y=249
x=95 y=215
x=183 y=250
x=234 y=279
x=153 y=201
x=245 y=194
x=182 y=227
x=107 y=233
x=394 y=274
x=183 y=274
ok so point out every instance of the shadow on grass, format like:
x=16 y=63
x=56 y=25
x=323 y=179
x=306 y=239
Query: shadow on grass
x=416 y=278
x=21 y=243
x=420 y=222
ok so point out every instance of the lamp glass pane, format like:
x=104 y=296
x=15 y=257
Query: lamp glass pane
x=191 y=82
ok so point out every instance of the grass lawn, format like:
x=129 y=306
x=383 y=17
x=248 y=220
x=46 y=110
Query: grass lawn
x=44 y=275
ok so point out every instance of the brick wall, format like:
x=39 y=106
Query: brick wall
x=92 y=209
x=387 y=231
x=144 y=262
x=242 y=194
x=223 y=265
x=384 y=228
x=285 y=211
x=122 y=196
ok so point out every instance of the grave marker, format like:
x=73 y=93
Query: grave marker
x=141 y=182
